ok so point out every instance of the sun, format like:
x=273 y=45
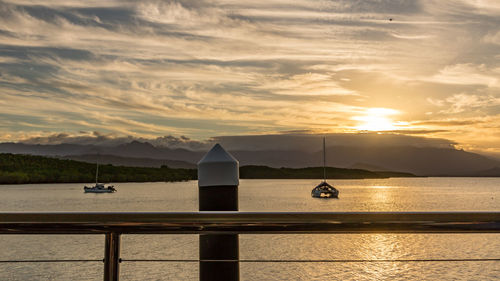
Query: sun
x=375 y=124
x=376 y=119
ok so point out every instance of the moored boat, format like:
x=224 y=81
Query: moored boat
x=99 y=187
x=324 y=190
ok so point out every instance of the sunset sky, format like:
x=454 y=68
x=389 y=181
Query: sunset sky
x=211 y=68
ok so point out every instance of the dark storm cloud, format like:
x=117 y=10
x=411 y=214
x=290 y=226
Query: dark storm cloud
x=285 y=141
x=97 y=138
x=310 y=142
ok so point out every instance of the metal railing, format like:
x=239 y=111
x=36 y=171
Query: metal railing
x=112 y=225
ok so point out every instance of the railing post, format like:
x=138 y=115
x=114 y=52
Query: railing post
x=218 y=180
x=111 y=257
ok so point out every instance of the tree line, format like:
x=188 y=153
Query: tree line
x=20 y=169
x=264 y=172
x=24 y=169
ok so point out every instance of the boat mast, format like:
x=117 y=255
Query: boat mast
x=96 y=171
x=324 y=160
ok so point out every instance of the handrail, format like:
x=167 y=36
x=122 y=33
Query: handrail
x=229 y=222
x=247 y=222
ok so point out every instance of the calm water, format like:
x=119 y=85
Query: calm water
x=417 y=194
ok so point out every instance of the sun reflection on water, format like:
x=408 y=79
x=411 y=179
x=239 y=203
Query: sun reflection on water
x=380 y=186
x=382 y=195
x=381 y=247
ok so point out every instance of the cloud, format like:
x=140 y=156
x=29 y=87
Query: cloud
x=147 y=69
x=492 y=38
x=465 y=102
x=312 y=142
x=101 y=139
x=467 y=74
x=284 y=141
x=417 y=132
x=450 y=122
x=486 y=6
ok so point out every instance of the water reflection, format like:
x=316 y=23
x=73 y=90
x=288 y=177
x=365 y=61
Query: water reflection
x=381 y=247
x=381 y=186
x=382 y=198
x=399 y=195
x=370 y=248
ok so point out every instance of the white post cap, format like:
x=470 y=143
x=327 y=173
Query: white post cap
x=217 y=168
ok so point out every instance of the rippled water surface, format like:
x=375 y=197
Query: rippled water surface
x=415 y=194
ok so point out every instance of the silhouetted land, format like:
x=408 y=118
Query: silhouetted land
x=19 y=169
x=16 y=169
x=264 y=172
x=418 y=160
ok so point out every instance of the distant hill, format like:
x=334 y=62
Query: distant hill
x=137 y=149
x=493 y=172
x=369 y=167
x=48 y=150
x=421 y=161
x=264 y=172
x=17 y=169
x=130 y=161
x=133 y=149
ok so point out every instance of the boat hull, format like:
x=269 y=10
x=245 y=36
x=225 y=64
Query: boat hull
x=324 y=190
x=325 y=195
x=99 y=188
x=90 y=190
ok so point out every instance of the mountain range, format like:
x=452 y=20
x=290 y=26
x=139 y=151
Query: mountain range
x=422 y=161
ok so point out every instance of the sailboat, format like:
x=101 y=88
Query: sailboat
x=99 y=187
x=324 y=190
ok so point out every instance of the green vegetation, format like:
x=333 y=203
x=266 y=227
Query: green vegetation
x=17 y=169
x=264 y=172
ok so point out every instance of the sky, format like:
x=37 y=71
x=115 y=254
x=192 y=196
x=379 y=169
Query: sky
x=193 y=70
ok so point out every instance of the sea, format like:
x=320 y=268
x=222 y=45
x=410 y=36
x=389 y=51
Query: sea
x=372 y=195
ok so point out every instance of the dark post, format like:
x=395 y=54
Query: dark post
x=111 y=257
x=218 y=180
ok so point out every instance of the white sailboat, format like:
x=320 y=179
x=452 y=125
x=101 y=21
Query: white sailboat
x=98 y=187
x=324 y=190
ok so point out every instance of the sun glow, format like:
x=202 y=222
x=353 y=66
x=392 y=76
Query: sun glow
x=376 y=119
